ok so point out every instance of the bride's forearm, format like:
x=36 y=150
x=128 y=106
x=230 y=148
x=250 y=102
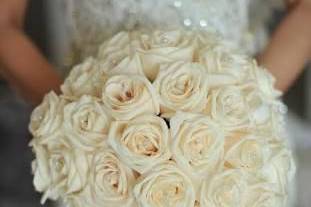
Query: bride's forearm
x=24 y=67
x=21 y=63
x=290 y=46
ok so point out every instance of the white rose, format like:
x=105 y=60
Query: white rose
x=46 y=119
x=84 y=79
x=86 y=123
x=118 y=63
x=59 y=171
x=250 y=153
x=110 y=182
x=118 y=55
x=219 y=59
x=264 y=195
x=166 y=47
x=197 y=144
x=181 y=87
x=119 y=41
x=238 y=106
x=126 y=41
x=280 y=170
x=165 y=185
x=264 y=81
x=270 y=120
x=142 y=142
x=224 y=190
x=228 y=104
x=127 y=96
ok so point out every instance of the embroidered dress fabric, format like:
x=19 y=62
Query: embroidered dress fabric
x=241 y=22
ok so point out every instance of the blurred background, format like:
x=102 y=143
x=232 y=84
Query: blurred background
x=43 y=19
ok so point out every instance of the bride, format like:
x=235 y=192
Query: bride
x=242 y=22
x=90 y=22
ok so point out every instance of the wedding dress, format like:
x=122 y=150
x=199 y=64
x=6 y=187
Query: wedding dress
x=241 y=22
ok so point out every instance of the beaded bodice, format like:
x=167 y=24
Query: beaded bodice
x=240 y=21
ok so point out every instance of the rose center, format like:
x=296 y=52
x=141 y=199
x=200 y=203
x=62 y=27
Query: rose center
x=143 y=143
x=199 y=145
x=233 y=105
x=58 y=164
x=125 y=96
x=251 y=155
x=122 y=93
x=167 y=194
x=182 y=86
x=113 y=180
x=111 y=177
x=86 y=119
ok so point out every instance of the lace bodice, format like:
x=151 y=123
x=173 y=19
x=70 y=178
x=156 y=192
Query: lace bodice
x=242 y=22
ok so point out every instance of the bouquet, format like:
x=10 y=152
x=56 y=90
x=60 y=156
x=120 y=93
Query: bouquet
x=163 y=119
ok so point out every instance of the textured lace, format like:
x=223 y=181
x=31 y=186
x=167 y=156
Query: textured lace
x=243 y=22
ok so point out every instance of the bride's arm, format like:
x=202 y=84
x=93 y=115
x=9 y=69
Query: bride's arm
x=21 y=63
x=290 y=46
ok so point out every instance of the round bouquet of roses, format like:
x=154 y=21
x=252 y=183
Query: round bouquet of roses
x=163 y=119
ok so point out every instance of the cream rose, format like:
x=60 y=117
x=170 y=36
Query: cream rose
x=220 y=60
x=118 y=63
x=142 y=142
x=58 y=171
x=86 y=123
x=238 y=106
x=127 y=96
x=280 y=169
x=250 y=153
x=181 y=87
x=110 y=182
x=263 y=195
x=122 y=40
x=85 y=79
x=165 y=185
x=264 y=81
x=197 y=144
x=119 y=55
x=46 y=119
x=166 y=47
x=228 y=105
x=223 y=190
x=126 y=41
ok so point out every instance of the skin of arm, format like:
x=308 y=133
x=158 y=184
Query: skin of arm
x=290 y=46
x=21 y=63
